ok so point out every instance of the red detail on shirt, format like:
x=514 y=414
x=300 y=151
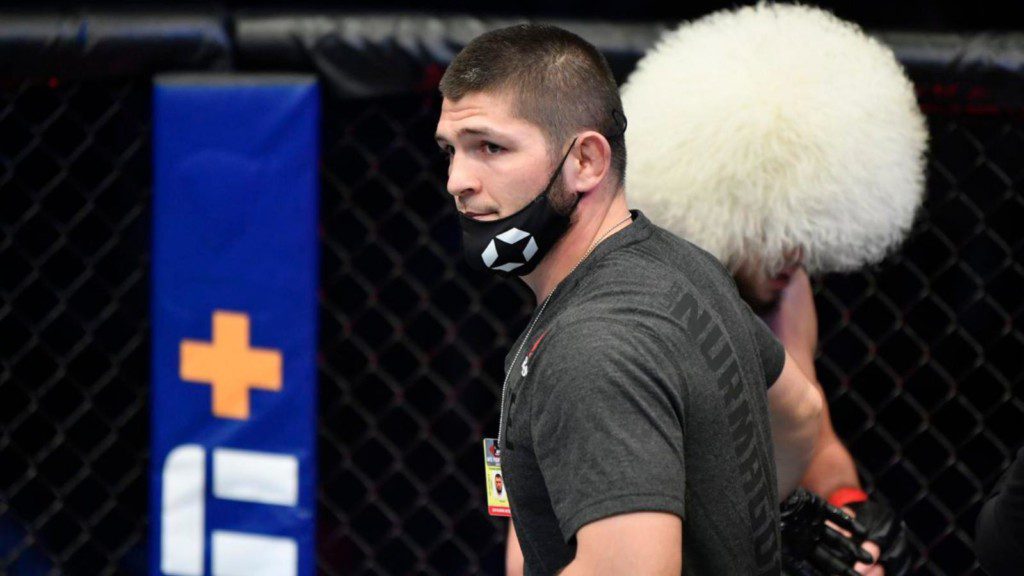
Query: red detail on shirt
x=537 y=343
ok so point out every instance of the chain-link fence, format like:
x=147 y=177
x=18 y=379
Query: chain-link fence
x=919 y=355
x=74 y=202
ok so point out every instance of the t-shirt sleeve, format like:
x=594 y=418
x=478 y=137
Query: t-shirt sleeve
x=999 y=538
x=607 y=424
x=771 y=351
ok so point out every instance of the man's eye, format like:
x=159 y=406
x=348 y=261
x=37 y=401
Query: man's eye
x=492 y=148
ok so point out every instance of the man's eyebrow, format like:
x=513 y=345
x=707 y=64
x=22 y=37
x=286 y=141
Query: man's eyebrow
x=485 y=132
x=478 y=132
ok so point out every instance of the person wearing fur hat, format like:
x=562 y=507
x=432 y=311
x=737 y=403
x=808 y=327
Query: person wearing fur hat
x=787 y=143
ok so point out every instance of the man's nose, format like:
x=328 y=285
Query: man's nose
x=461 y=179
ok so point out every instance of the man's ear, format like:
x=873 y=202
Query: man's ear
x=590 y=162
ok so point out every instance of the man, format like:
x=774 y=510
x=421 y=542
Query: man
x=786 y=142
x=634 y=434
x=499 y=487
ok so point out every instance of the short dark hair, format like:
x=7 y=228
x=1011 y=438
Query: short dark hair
x=557 y=81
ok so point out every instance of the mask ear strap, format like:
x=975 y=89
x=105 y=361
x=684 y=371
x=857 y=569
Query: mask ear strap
x=620 y=121
x=560 y=165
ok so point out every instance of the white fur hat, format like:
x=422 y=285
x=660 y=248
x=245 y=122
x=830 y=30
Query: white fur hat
x=759 y=130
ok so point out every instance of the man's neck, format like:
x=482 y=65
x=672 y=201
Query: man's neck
x=589 y=229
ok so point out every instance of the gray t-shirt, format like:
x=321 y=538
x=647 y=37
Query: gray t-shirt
x=643 y=388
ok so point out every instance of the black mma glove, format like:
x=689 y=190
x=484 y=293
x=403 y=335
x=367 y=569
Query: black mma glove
x=812 y=548
x=889 y=532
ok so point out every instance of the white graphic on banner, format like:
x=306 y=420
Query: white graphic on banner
x=240 y=554
x=183 y=511
x=240 y=475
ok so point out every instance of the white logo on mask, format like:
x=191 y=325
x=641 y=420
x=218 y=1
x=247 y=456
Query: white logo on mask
x=506 y=260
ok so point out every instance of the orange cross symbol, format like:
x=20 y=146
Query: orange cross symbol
x=229 y=365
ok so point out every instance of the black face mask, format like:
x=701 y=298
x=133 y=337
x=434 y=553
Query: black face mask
x=517 y=243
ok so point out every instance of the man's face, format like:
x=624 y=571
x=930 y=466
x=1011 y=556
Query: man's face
x=497 y=163
x=498 y=483
x=761 y=290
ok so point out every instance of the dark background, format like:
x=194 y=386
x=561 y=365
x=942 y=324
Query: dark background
x=930 y=15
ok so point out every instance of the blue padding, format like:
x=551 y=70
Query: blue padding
x=234 y=238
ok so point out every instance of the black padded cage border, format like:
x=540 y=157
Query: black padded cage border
x=363 y=55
